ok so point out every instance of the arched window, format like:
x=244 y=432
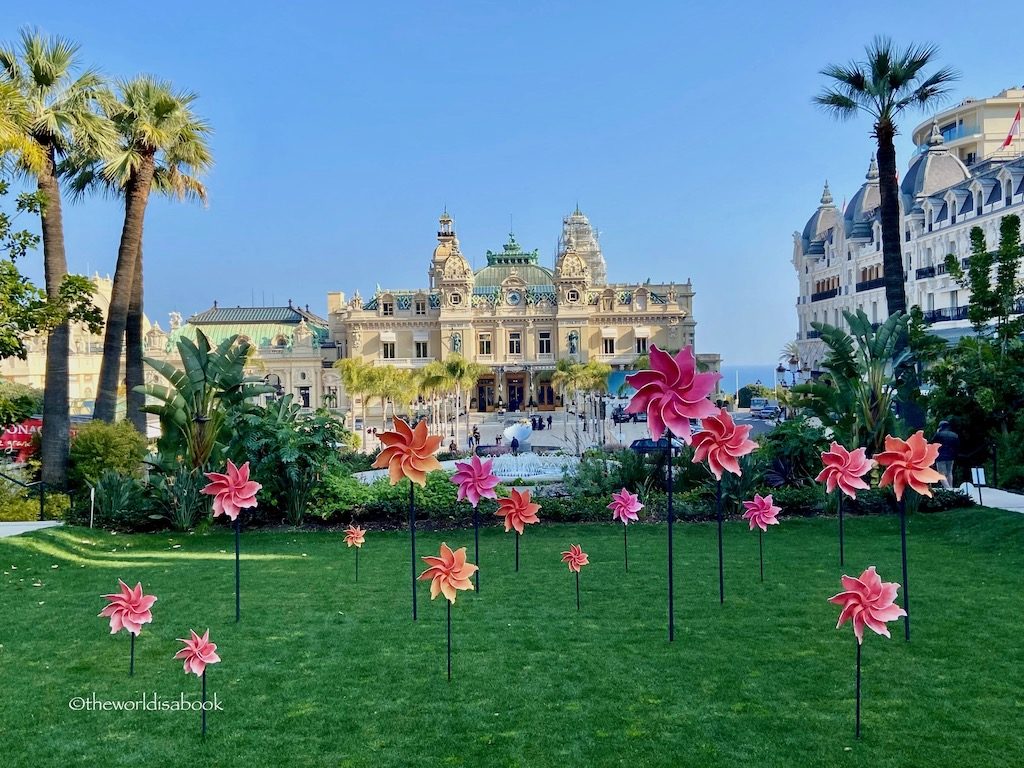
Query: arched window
x=1008 y=192
x=977 y=204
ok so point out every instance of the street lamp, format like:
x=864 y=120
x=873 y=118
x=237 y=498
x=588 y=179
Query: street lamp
x=780 y=378
x=794 y=364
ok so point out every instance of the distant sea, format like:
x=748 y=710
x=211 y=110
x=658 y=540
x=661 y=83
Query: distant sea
x=735 y=376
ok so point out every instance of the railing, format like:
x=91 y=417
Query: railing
x=924 y=272
x=813 y=334
x=822 y=295
x=403 y=362
x=37 y=484
x=945 y=315
x=867 y=285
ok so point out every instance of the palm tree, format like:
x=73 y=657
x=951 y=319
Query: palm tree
x=789 y=351
x=356 y=378
x=461 y=374
x=162 y=145
x=15 y=118
x=886 y=83
x=62 y=118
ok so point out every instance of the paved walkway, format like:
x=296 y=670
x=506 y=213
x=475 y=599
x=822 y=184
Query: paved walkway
x=993 y=497
x=13 y=529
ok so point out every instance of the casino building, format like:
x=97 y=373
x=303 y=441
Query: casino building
x=516 y=316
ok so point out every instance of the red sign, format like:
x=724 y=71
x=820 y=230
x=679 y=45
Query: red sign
x=18 y=439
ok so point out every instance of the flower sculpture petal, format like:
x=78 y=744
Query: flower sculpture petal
x=868 y=601
x=518 y=511
x=197 y=653
x=909 y=462
x=761 y=512
x=625 y=506
x=448 y=573
x=128 y=609
x=354 y=536
x=845 y=470
x=672 y=392
x=232 y=491
x=408 y=452
x=722 y=443
x=475 y=480
x=576 y=558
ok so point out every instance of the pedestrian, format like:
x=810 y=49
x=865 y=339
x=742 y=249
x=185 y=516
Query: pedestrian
x=549 y=421
x=469 y=442
x=515 y=446
x=949 y=447
x=453 y=447
x=497 y=439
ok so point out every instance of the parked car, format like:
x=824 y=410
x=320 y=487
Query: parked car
x=619 y=415
x=646 y=445
x=769 y=412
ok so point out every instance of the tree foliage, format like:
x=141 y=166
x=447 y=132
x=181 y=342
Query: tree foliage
x=18 y=402
x=25 y=308
x=867 y=372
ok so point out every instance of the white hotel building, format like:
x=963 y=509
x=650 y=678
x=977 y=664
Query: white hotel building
x=961 y=177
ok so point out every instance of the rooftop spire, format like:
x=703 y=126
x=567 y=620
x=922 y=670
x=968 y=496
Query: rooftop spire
x=826 y=195
x=872 y=174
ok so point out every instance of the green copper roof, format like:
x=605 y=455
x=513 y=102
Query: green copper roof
x=512 y=260
x=512 y=253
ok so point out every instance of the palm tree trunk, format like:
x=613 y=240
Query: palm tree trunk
x=56 y=437
x=133 y=339
x=136 y=196
x=892 y=249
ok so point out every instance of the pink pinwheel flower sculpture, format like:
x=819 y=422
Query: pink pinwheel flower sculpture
x=128 y=609
x=197 y=653
x=575 y=558
x=672 y=392
x=518 y=511
x=909 y=462
x=232 y=491
x=354 y=536
x=761 y=512
x=722 y=443
x=868 y=601
x=448 y=573
x=845 y=470
x=475 y=480
x=625 y=506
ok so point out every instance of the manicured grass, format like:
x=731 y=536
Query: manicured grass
x=324 y=672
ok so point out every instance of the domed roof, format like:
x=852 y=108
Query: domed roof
x=862 y=206
x=821 y=221
x=513 y=260
x=443 y=250
x=934 y=170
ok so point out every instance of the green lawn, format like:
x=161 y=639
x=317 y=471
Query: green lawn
x=325 y=672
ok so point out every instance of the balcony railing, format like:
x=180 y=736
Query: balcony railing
x=813 y=334
x=867 y=285
x=924 y=272
x=822 y=295
x=945 y=315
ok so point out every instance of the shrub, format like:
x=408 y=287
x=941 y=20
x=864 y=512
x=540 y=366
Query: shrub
x=19 y=504
x=177 y=498
x=338 y=495
x=120 y=503
x=792 y=452
x=98 y=447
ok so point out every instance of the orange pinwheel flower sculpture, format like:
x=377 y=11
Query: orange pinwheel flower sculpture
x=575 y=558
x=518 y=511
x=408 y=453
x=909 y=462
x=448 y=573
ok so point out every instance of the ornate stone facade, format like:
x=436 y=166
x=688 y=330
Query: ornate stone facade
x=516 y=316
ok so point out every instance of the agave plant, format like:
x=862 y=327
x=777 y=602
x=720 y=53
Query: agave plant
x=868 y=372
x=194 y=405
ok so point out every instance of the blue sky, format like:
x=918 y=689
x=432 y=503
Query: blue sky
x=686 y=134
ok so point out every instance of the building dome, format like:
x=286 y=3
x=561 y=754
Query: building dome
x=512 y=260
x=862 y=206
x=823 y=219
x=932 y=171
